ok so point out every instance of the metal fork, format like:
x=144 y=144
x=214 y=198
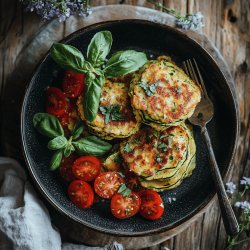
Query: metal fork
x=203 y=114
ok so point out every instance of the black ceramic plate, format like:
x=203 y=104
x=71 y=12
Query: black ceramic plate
x=196 y=191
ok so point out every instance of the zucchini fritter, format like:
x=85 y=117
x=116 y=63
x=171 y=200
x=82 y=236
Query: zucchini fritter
x=163 y=94
x=115 y=118
x=161 y=159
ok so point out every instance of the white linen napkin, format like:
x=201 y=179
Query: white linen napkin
x=24 y=220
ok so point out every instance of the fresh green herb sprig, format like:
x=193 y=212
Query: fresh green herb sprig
x=127 y=148
x=50 y=126
x=96 y=66
x=149 y=89
x=124 y=190
x=112 y=113
x=242 y=207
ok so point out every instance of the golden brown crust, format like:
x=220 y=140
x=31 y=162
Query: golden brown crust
x=164 y=93
x=149 y=151
x=113 y=93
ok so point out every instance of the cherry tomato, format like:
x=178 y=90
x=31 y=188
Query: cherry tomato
x=152 y=206
x=123 y=207
x=66 y=168
x=107 y=184
x=86 y=168
x=64 y=119
x=73 y=84
x=81 y=193
x=56 y=103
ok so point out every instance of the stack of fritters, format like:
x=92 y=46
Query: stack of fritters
x=162 y=96
x=161 y=160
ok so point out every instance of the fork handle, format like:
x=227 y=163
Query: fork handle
x=228 y=216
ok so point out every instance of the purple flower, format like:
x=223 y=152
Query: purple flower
x=230 y=187
x=243 y=205
x=49 y=9
x=191 y=22
x=245 y=181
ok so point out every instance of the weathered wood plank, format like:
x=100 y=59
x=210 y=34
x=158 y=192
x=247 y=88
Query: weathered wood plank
x=227 y=25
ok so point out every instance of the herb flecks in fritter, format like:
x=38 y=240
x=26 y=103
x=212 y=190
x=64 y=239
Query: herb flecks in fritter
x=164 y=160
x=115 y=117
x=163 y=94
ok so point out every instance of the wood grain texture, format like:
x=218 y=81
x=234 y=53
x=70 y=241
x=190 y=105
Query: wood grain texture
x=227 y=25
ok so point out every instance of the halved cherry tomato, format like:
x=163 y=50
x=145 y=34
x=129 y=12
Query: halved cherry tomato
x=152 y=206
x=107 y=184
x=123 y=207
x=56 y=103
x=81 y=193
x=73 y=84
x=66 y=168
x=86 y=168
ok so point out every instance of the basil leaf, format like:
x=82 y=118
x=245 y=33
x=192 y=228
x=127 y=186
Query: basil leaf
x=126 y=192
x=92 y=145
x=124 y=62
x=47 y=125
x=122 y=188
x=111 y=113
x=149 y=89
x=68 y=150
x=99 y=48
x=92 y=95
x=56 y=160
x=68 y=57
x=77 y=130
x=57 y=143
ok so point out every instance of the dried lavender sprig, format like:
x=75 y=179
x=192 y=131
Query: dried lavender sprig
x=243 y=207
x=230 y=187
x=49 y=9
x=188 y=22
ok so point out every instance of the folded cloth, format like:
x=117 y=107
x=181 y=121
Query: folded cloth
x=24 y=220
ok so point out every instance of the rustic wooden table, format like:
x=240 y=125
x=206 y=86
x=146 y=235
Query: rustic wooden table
x=227 y=25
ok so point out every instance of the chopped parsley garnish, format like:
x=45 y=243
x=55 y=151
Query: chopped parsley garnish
x=137 y=140
x=178 y=90
x=118 y=159
x=124 y=190
x=155 y=133
x=149 y=89
x=158 y=159
x=163 y=136
x=127 y=148
x=170 y=139
x=162 y=145
x=112 y=113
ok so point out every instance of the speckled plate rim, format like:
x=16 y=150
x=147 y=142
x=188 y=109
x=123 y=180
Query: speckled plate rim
x=198 y=210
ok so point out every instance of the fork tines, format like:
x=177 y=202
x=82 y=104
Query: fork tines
x=191 y=68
